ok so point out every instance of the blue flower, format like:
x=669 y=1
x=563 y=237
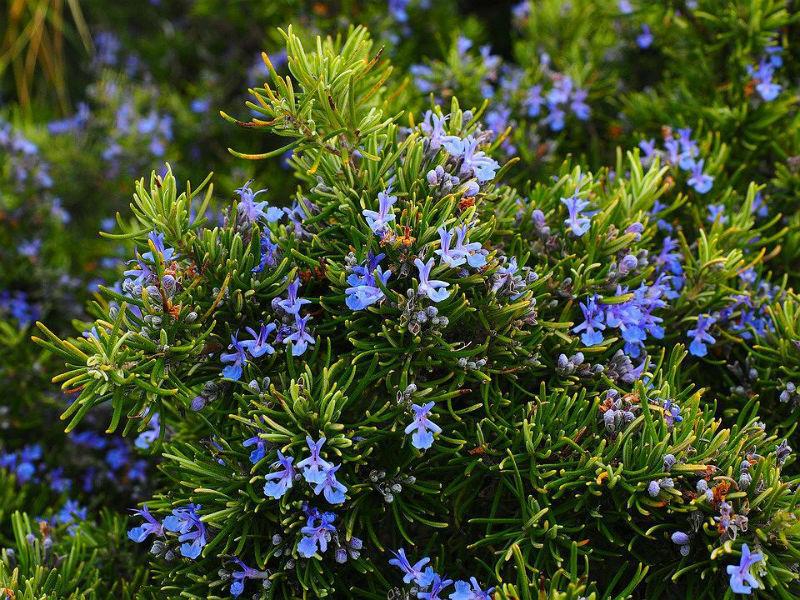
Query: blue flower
x=239 y=577
x=433 y=127
x=316 y=534
x=279 y=482
x=645 y=38
x=148 y=436
x=363 y=290
x=451 y=259
x=592 y=325
x=260 y=450
x=465 y=591
x=379 y=221
x=437 y=586
x=716 y=212
x=70 y=514
x=268 y=253
x=474 y=162
x=292 y=304
x=250 y=211
x=534 y=101
x=332 y=489
x=578 y=223
x=259 y=346
x=313 y=466
x=700 y=336
x=192 y=531
x=742 y=581
x=578 y=104
x=151 y=526
x=699 y=180
x=473 y=251
x=422 y=426
x=237 y=358
x=433 y=289
x=299 y=338
x=762 y=77
x=410 y=572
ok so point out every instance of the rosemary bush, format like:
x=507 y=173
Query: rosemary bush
x=512 y=314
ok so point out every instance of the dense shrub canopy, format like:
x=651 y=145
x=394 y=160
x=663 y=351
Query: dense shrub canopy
x=460 y=325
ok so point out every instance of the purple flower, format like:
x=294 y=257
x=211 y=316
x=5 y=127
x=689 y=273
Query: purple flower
x=762 y=76
x=465 y=591
x=363 y=290
x=476 y=257
x=433 y=127
x=268 y=253
x=379 y=221
x=258 y=346
x=578 y=104
x=437 y=586
x=237 y=358
x=700 y=336
x=645 y=39
x=742 y=581
x=716 y=212
x=422 y=427
x=330 y=487
x=192 y=531
x=474 y=162
x=151 y=526
x=299 y=338
x=433 y=288
x=448 y=257
x=534 y=100
x=648 y=148
x=316 y=534
x=699 y=180
x=410 y=572
x=579 y=224
x=279 y=482
x=250 y=211
x=592 y=325
x=260 y=450
x=292 y=304
x=313 y=466
x=239 y=577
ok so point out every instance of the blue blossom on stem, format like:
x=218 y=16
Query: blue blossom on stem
x=465 y=591
x=192 y=531
x=476 y=258
x=258 y=346
x=316 y=534
x=251 y=211
x=279 y=482
x=330 y=487
x=700 y=336
x=699 y=180
x=645 y=39
x=313 y=466
x=379 y=221
x=245 y=573
x=268 y=253
x=435 y=589
x=432 y=288
x=578 y=223
x=422 y=426
x=410 y=572
x=716 y=212
x=299 y=338
x=237 y=358
x=433 y=127
x=260 y=450
x=474 y=162
x=742 y=581
x=292 y=304
x=364 y=290
x=151 y=526
x=450 y=258
x=593 y=324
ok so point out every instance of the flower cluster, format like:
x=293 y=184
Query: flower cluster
x=680 y=152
